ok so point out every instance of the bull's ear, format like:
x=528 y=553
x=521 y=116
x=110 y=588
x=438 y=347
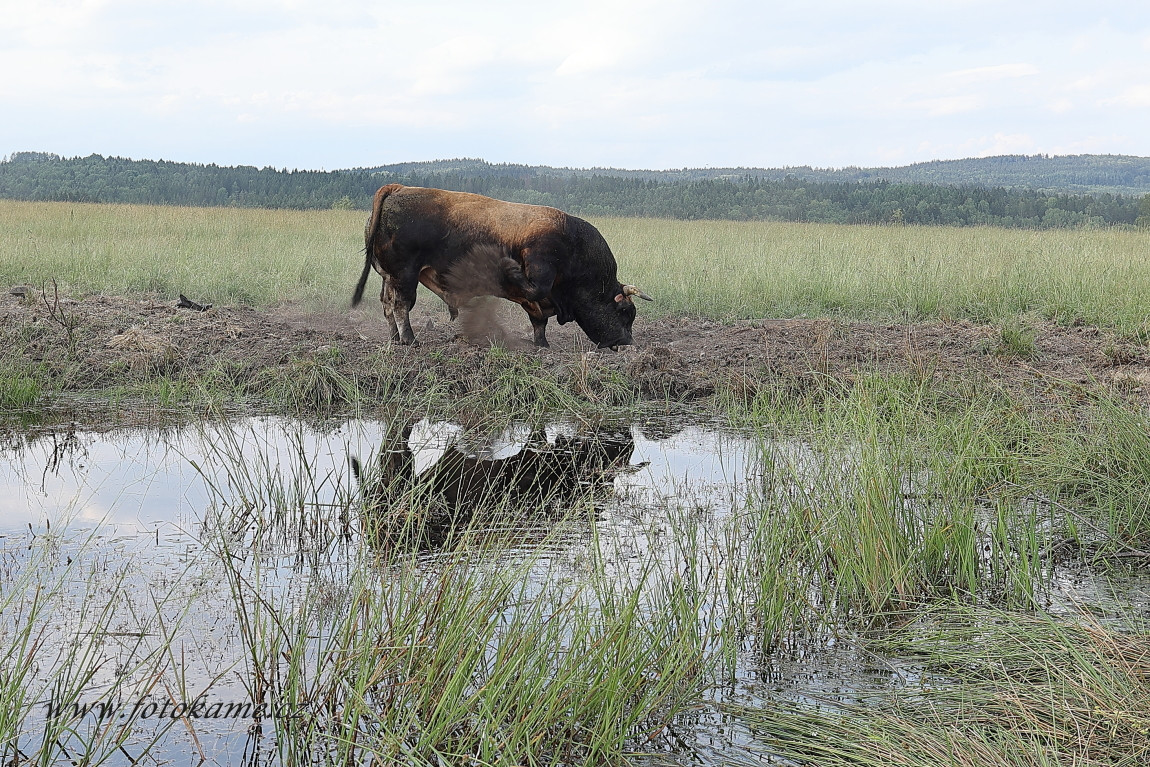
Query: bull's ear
x=620 y=298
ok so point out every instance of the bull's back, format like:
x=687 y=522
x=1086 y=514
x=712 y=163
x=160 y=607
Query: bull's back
x=420 y=217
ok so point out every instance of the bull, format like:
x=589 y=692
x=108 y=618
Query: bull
x=460 y=245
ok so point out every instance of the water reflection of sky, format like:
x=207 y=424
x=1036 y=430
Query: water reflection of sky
x=139 y=480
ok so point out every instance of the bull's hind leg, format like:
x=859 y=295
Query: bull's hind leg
x=402 y=301
x=387 y=298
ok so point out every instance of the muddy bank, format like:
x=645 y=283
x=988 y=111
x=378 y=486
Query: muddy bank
x=105 y=341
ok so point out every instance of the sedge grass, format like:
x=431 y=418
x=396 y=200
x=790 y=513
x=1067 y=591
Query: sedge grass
x=754 y=269
x=701 y=268
x=878 y=497
x=219 y=255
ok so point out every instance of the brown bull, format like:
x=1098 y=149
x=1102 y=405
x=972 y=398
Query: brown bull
x=461 y=245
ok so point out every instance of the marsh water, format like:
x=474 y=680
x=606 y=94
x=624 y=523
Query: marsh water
x=137 y=512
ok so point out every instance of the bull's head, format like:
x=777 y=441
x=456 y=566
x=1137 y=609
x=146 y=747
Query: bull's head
x=610 y=326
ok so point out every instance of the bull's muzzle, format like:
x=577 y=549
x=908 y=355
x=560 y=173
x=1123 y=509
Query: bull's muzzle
x=626 y=340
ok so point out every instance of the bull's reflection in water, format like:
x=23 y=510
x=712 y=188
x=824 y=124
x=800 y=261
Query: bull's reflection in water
x=422 y=500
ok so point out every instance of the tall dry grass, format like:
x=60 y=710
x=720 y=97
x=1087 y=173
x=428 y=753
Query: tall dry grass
x=213 y=255
x=753 y=269
x=717 y=269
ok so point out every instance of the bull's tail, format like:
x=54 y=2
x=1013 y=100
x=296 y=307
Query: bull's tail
x=369 y=235
x=357 y=296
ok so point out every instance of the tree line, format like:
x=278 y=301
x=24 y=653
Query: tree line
x=1078 y=174
x=42 y=176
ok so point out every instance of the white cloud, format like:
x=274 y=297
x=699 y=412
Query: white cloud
x=951 y=105
x=1136 y=96
x=993 y=73
x=349 y=82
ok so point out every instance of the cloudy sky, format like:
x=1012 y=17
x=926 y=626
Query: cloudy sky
x=346 y=83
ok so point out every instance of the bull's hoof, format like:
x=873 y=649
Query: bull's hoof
x=542 y=343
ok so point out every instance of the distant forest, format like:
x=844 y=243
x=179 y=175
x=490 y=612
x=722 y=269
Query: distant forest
x=793 y=194
x=1075 y=174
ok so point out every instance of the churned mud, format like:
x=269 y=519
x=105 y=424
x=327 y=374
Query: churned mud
x=101 y=341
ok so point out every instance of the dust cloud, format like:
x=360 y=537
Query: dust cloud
x=473 y=283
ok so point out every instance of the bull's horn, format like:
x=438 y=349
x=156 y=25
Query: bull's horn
x=631 y=290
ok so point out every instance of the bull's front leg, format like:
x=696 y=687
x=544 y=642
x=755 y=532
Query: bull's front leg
x=538 y=315
x=539 y=328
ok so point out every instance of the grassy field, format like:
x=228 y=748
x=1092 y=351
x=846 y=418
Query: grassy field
x=715 y=269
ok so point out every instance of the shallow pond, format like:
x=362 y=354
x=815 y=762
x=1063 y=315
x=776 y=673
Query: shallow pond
x=139 y=514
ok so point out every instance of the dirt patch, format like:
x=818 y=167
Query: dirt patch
x=97 y=341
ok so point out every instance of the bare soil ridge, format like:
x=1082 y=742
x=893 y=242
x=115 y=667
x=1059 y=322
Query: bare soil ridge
x=104 y=339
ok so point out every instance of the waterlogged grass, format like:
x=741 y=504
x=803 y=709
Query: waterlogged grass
x=62 y=617
x=461 y=660
x=485 y=651
x=874 y=511
x=1010 y=690
x=706 y=268
x=1109 y=477
x=915 y=520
